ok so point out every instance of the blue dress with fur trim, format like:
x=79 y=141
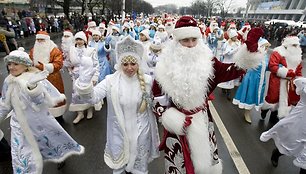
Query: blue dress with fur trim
x=250 y=93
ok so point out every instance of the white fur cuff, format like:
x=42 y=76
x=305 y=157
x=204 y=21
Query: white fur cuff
x=36 y=91
x=49 y=67
x=1 y=134
x=282 y=72
x=173 y=121
x=83 y=89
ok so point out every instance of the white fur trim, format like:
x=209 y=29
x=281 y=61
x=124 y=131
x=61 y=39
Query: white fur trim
x=245 y=59
x=199 y=144
x=49 y=67
x=283 y=109
x=28 y=134
x=173 y=121
x=83 y=90
x=79 y=107
x=217 y=168
x=63 y=158
x=42 y=36
x=271 y=106
x=282 y=72
x=186 y=32
x=58 y=111
x=38 y=90
x=68 y=33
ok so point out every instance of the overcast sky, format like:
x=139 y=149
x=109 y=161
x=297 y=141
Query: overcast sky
x=238 y=3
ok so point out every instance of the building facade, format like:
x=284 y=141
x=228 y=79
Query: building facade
x=276 y=9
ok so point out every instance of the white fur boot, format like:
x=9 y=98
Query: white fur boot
x=90 y=113
x=247 y=116
x=79 y=117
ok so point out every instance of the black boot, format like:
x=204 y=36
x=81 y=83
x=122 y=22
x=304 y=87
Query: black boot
x=273 y=117
x=275 y=156
x=264 y=113
x=128 y=172
x=228 y=94
x=302 y=171
x=5 y=151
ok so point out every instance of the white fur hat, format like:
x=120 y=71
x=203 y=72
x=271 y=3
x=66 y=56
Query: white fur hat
x=186 y=27
x=156 y=44
x=232 y=33
x=42 y=35
x=96 y=32
x=18 y=56
x=291 y=40
x=101 y=25
x=146 y=33
x=80 y=35
x=114 y=27
x=67 y=33
x=92 y=24
x=161 y=27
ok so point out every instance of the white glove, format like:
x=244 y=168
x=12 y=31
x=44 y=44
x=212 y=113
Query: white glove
x=32 y=83
x=86 y=70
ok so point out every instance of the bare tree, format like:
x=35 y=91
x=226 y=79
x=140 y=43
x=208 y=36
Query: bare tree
x=224 y=6
x=65 y=4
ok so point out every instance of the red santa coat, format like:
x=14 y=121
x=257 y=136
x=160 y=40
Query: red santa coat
x=281 y=90
x=54 y=66
x=222 y=73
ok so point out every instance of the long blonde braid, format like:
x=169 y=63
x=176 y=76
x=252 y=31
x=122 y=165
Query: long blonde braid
x=143 y=105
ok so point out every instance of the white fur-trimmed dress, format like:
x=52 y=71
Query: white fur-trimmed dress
x=35 y=134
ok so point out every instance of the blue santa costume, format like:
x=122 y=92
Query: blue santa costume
x=250 y=93
x=104 y=67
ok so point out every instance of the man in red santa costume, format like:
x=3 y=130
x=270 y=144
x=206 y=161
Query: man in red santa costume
x=46 y=56
x=185 y=76
x=285 y=65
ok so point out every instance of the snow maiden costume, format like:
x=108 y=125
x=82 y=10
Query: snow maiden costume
x=132 y=136
x=289 y=134
x=250 y=93
x=181 y=98
x=35 y=134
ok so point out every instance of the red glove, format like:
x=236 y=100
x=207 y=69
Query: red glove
x=252 y=39
x=290 y=73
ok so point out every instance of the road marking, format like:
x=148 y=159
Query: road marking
x=233 y=151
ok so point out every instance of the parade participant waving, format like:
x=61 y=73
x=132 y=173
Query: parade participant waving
x=132 y=136
x=35 y=134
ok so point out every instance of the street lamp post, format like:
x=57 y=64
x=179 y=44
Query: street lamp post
x=123 y=11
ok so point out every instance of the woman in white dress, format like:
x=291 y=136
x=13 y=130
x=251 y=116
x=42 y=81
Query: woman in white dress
x=289 y=134
x=132 y=136
x=35 y=134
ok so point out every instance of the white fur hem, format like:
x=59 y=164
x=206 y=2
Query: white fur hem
x=283 y=109
x=58 y=111
x=282 y=72
x=173 y=121
x=245 y=59
x=217 y=168
x=115 y=164
x=186 y=32
x=83 y=89
x=271 y=106
x=79 y=107
x=49 y=67
x=243 y=105
x=63 y=158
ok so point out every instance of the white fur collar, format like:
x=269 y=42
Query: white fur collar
x=187 y=83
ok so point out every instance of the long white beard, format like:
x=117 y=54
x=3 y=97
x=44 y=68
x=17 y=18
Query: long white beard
x=162 y=35
x=184 y=73
x=293 y=56
x=66 y=44
x=41 y=52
